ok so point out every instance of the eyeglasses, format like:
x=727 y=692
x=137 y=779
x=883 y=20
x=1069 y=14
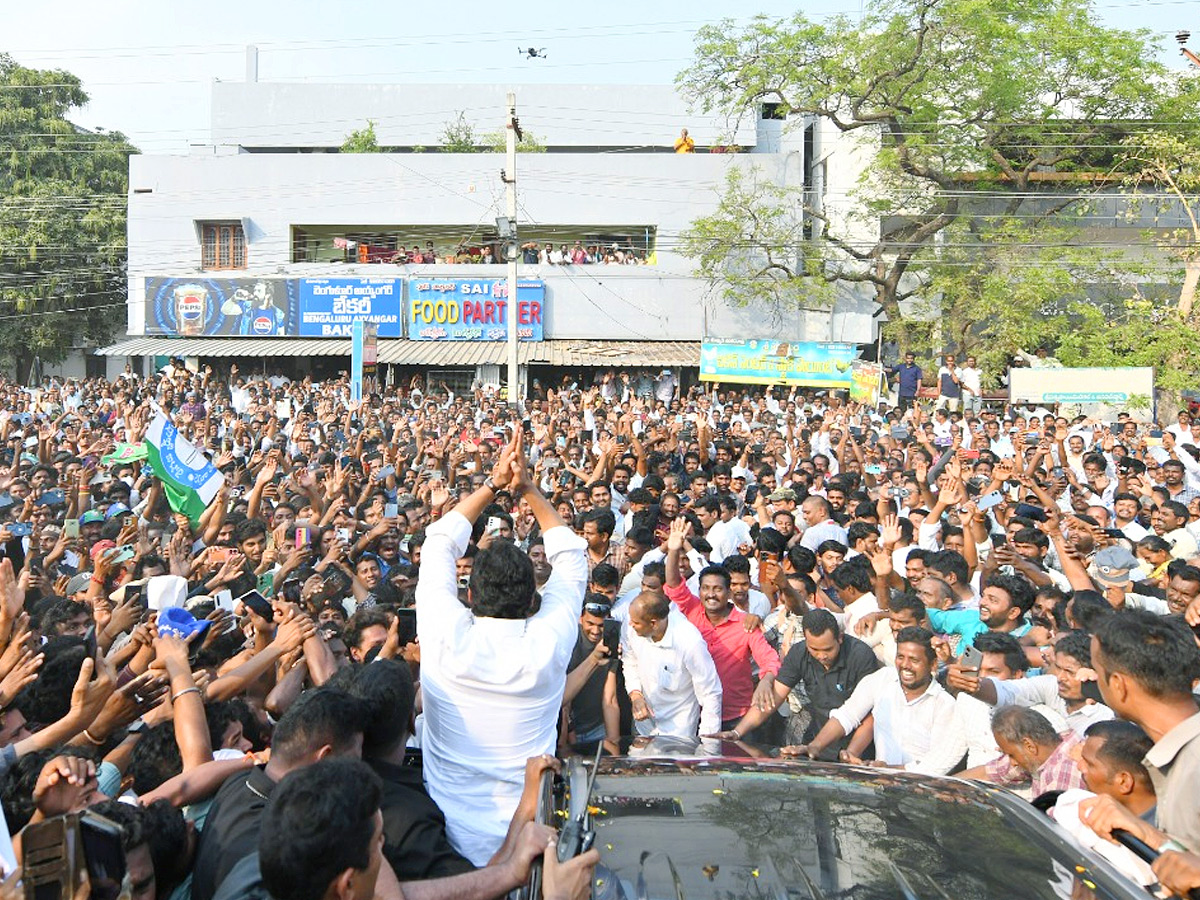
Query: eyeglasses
x=597 y=609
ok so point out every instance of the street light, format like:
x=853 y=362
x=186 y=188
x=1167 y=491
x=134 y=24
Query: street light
x=1182 y=37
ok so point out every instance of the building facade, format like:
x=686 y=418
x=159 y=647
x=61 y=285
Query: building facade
x=269 y=207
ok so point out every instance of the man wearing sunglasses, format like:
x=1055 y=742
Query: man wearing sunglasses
x=590 y=698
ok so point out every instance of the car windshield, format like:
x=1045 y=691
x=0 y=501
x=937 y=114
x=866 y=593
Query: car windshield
x=680 y=833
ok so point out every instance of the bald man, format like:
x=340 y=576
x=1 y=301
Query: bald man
x=672 y=682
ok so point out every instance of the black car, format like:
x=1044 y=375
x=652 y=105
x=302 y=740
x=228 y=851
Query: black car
x=680 y=826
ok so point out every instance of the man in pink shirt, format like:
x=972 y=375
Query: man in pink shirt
x=732 y=645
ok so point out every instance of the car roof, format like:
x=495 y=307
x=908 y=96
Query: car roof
x=687 y=826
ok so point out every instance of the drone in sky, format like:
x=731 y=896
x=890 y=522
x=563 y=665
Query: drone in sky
x=533 y=52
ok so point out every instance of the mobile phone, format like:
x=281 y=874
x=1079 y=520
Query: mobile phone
x=971 y=659
x=970 y=454
x=385 y=472
x=492 y=528
x=407 y=629
x=1091 y=691
x=303 y=538
x=612 y=637
x=20 y=529
x=988 y=501
x=51 y=498
x=71 y=528
x=121 y=554
x=345 y=535
x=220 y=555
x=1029 y=511
x=73 y=855
x=391 y=510
x=89 y=641
x=1156 y=433
x=1154 y=441
x=224 y=600
x=873 y=469
x=257 y=604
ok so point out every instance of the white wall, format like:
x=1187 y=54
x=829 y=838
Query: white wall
x=406 y=115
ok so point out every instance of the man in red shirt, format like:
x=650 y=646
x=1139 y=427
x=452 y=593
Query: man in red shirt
x=733 y=646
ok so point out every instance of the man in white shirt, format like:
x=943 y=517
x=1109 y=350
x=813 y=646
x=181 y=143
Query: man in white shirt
x=728 y=533
x=1061 y=691
x=915 y=726
x=669 y=673
x=493 y=671
x=972 y=392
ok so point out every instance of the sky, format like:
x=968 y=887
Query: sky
x=148 y=64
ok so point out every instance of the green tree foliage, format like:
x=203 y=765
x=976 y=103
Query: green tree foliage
x=62 y=220
x=497 y=142
x=1134 y=332
x=362 y=141
x=752 y=248
x=959 y=104
x=1163 y=165
x=458 y=136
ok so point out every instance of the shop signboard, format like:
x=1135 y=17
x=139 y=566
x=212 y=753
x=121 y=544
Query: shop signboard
x=804 y=364
x=473 y=309
x=330 y=306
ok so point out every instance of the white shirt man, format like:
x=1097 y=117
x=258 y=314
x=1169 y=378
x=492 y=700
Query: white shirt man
x=675 y=675
x=921 y=735
x=971 y=385
x=492 y=687
x=726 y=536
x=1043 y=690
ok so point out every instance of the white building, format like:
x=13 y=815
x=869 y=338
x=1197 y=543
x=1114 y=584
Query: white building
x=270 y=199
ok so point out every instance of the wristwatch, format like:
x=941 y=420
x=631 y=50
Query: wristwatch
x=489 y=484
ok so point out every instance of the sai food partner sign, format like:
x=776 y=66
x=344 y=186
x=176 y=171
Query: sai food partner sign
x=472 y=309
x=826 y=366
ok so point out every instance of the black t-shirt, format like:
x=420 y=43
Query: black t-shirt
x=415 y=841
x=587 y=709
x=827 y=689
x=231 y=830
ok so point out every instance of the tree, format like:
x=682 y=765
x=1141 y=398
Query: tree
x=497 y=142
x=362 y=141
x=458 y=136
x=753 y=248
x=1140 y=331
x=954 y=101
x=1166 y=163
x=62 y=220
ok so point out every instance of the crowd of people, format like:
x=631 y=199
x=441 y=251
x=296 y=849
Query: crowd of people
x=533 y=253
x=346 y=674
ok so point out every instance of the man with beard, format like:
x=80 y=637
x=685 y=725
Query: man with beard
x=915 y=727
x=541 y=562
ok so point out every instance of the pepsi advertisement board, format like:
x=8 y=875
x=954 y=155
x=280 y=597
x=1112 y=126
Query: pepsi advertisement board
x=229 y=307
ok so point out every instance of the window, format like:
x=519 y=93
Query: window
x=223 y=246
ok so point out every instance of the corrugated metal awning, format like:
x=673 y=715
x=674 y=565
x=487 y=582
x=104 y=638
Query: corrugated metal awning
x=436 y=354
x=570 y=354
x=228 y=346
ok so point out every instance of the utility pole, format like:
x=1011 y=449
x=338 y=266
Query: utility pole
x=512 y=132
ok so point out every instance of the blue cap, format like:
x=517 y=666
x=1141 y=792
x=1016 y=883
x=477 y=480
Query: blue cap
x=179 y=622
x=115 y=510
x=92 y=515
